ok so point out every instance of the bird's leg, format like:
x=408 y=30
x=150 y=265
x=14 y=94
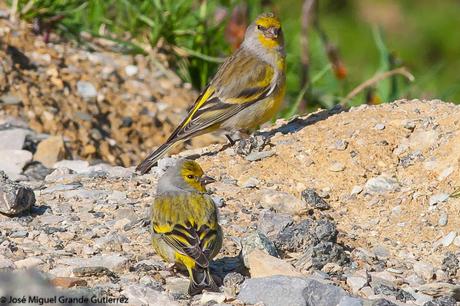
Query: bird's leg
x=230 y=140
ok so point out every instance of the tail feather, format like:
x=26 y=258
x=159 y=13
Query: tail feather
x=153 y=157
x=201 y=279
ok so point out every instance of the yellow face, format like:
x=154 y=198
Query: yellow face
x=192 y=174
x=268 y=28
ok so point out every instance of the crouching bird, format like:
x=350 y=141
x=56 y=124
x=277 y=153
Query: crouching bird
x=185 y=229
x=247 y=90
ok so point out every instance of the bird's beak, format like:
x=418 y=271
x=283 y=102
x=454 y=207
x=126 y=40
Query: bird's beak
x=205 y=180
x=273 y=33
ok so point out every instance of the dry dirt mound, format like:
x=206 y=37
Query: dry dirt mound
x=387 y=171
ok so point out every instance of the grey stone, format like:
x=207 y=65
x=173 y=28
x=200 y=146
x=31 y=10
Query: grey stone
x=143 y=295
x=271 y=223
x=6 y=264
x=14 y=198
x=326 y=230
x=112 y=262
x=443 y=218
x=61 y=187
x=251 y=182
x=86 y=90
x=58 y=174
x=10 y=99
x=424 y=270
x=356 y=283
x=379 y=126
x=450 y=264
x=326 y=252
x=257 y=241
x=13 y=161
x=219 y=201
x=232 y=283
x=381 y=184
x=255 y=156
x=340 y=145
x=296 y=237
x=383 y=302
x=313 y=200
x=438 y=198
x=178 y=287
x=356 y=190
x=442 y=301
x=149 y=265
x=131 y=70
x=441 y=289
x=274 y=291
x=281 y=202
x=252 y=144
x=12 y=139
x=78 y=166
x=336 y=167
x=446 y=240
x=381 y=252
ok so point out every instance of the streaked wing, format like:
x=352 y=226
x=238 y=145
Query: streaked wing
x=235 y=87
x=194 y=235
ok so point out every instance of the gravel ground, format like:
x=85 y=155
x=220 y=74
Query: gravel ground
x=354 y=208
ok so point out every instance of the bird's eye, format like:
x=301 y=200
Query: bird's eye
x=259 y=27
x=190 y=177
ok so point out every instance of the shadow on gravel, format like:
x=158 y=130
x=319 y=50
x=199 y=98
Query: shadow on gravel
x=297 y=123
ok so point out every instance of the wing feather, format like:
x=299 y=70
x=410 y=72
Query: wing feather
x=228 y=93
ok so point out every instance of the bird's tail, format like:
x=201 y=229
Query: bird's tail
x=153 y=157
x=200 y=279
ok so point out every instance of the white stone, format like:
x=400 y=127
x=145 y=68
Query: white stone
x=12 y=161
x=381 y=184
x=448 y=239
x=356 y=283
x=79 y=166
x=212 y=296
x=86 y=90
x=28 y=263
x=12 y=139
x=142 y=295
x=438 y=198
x=131 y=70
x=424 y=270
x=356 y=190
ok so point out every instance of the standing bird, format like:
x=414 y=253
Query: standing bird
x=247 y=90
x=185 y=230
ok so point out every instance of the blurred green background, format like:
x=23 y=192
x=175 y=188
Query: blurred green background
x=349 y=41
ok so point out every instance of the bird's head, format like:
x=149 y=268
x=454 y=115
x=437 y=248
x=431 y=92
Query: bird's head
x=266 y=30
x=186 y=175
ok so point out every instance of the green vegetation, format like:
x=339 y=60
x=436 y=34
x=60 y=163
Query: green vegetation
x=370 y=36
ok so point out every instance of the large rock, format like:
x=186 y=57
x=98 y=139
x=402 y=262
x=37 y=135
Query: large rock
x=50 y=150
x=142 y=295
x=293 y=291
x=13 y=161
x=12 y=139
x=262 y=265
x=257 y=241
x=14 y=198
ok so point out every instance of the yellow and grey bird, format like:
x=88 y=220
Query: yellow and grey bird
x=247 y=90
x=185 y=229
